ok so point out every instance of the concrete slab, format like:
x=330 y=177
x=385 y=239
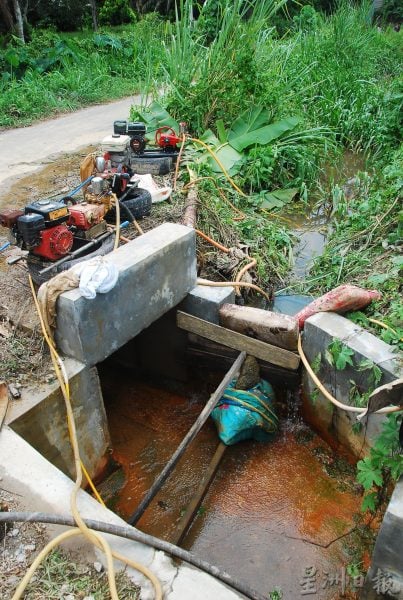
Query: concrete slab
x=156 y=271
x=320 y=330
x=205 y=302
x=43 y=488
x=40 y=418
x=190 y=583
x=386 y=564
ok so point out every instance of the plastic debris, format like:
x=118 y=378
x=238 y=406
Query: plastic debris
x=246 y=414
x=340 y=300
x=146 y=182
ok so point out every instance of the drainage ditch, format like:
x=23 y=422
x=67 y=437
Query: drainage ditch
x=273 y=509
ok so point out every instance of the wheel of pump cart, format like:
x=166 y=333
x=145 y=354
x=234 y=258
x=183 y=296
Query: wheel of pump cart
x=138 y=202
x=36 y=264
x=154 y=166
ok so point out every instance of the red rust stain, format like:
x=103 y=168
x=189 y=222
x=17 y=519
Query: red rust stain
x=271 y=511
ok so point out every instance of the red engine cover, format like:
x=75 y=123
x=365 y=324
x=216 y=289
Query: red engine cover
x=85 y=215
x=168 y=140
x=56 y=242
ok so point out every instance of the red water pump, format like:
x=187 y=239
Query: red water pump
x=48 y=228
x=166 y=138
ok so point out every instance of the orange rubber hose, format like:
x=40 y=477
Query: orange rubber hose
x=212 y=242
x=242 y=273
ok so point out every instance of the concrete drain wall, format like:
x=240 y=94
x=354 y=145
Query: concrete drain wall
x=157 y=273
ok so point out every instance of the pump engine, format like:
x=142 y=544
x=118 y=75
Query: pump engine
x=49 y=228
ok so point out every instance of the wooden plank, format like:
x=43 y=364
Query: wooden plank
x=189 y=437
x=222 y=360
x=238 y=341
x=197 y=499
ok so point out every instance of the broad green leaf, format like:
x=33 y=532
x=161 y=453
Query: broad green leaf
x=210 y=138
x=369 y=502
x=222 y=134
x=249 y=129
x=278 y=198
x=285 y=195
x=367 y=475
x=156 y=116
x=253 y=118
x=344 y=358
x=271 y=201
x=227 y=155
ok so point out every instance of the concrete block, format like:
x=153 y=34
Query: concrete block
x=190 y=583
x=205 y=301
x=320 y=330
x=387 y=556
x=40 y=418
x=44 y=488
x=146 y=355
x=156 y=271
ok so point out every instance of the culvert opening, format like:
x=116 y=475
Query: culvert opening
x=272 y=512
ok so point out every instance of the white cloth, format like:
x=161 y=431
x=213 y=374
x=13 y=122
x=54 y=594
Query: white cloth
x=96 y=275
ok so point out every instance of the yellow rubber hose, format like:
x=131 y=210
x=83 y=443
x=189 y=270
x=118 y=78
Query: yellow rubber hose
x=91 y=535
x=332 y=399
x=219 y=163
x=235 y=284
x=117 y=232
x=242 y=272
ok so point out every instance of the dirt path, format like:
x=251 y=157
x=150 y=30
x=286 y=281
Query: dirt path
x=27 y=149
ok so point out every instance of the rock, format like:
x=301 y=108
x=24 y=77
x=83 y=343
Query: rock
x=20 y=557
x=30 y=547
x=14 y=532
x=98 y=567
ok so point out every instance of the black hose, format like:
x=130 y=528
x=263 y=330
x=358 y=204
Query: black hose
x=131 y=533
x=126 y=209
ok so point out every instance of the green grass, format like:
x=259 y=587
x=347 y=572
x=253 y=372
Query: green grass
x=59 y=73
x=363 y=248
x=59 y=576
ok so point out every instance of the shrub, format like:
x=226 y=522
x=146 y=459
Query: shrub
x=116 y=12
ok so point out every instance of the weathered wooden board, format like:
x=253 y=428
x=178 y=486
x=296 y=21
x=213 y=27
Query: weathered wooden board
x=197 y=499
x=273 y=328
x=238 y=341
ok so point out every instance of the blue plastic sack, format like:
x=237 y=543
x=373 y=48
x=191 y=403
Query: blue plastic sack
x=246 y=414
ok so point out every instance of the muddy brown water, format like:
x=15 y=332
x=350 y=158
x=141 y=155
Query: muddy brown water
x=272 y=509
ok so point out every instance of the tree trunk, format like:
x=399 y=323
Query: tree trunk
x=272 y=328
x=6 y=14
x=94 y=15
x=19 y=23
